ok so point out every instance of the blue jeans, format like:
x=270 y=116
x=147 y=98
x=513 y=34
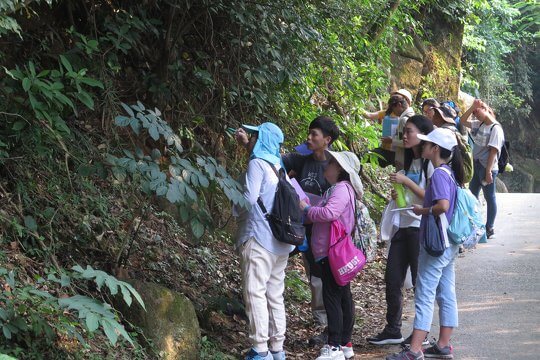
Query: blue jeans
x=488 y=190
x=436 y=280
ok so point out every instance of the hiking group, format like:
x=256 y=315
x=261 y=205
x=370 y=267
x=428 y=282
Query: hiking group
x=309 y=201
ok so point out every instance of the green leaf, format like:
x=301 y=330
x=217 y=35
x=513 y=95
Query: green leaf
x=26 y=84
x=203 y=180
x=153 y=131
x=134 y=293
x=6 y=331
x=18 y=125
x=197 y=228
x=92 y=322
x=173 y=193
x=122 y=120
x=112 y=284
x=66 y=63
x=30 y=223
x=109 y=330
x=155 y=154
x=91 y=82
x=86 y=99
x=128 y=109
x=126 y=295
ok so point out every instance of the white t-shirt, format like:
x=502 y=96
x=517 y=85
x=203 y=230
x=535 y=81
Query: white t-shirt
x=416 y=174
x=259 y=181
x=486 y=137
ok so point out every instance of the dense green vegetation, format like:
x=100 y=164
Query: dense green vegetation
x=114 y=110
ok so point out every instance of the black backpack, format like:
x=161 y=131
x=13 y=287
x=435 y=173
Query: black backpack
x=504 y=156
x=285 y=219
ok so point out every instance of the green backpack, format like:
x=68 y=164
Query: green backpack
x=466 y=153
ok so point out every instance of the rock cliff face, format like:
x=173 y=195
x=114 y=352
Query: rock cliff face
x=431 y=66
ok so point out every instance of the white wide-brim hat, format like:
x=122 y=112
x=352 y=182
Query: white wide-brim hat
x=351 y=164
x=445 y=138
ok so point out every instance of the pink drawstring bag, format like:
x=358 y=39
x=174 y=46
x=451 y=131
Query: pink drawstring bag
x=345 y=259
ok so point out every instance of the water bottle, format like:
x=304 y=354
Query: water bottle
x=400 y=200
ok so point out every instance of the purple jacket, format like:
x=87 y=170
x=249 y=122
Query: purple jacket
x=338 y=203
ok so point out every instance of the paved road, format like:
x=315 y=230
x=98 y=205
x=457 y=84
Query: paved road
x=498 y=288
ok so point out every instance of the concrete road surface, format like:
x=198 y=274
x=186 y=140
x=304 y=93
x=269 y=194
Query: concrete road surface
x=498 y=288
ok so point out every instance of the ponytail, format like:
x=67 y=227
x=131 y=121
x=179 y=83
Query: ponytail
x=456 y=163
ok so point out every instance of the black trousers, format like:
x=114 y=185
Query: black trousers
x=339 y=307
x=403 y=253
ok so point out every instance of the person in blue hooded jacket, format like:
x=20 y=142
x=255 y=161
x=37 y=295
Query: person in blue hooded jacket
x=263 y=258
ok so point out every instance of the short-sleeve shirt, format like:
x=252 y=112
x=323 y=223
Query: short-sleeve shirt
x=486 y=137
x=441 y=186
x=416 y=173
x=309 y=172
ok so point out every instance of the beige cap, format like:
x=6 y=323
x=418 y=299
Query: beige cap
x=405 y=93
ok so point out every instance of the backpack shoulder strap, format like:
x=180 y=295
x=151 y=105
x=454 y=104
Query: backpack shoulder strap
x=449 y=173
x=259 y=200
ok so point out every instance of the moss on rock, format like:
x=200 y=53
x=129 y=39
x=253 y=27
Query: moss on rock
x=169 y=321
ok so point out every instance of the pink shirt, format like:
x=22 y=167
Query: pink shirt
x=338 y=204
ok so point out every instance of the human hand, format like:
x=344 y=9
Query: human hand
x=386 y=140
x=241 y=137
x=477 y=103
x=303 y=204
x=393 y=194
x=398 y=178
x=489 y=178
x=418 y=209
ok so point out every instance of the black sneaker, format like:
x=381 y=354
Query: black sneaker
x=407 y=341
x=385 y=338
x=320 y=339
x=435 y=352
x=490 y=232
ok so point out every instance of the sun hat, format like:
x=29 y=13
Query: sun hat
x=351 y=164
x=269 y=140
x=446 y=113
x=445 y=138
x=251 y=129
x=405 y=93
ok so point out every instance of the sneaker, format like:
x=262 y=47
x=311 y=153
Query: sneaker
x=490 y=232
x=407 y=341
x=347 y=350
x=254 y=355
x=385 y=338
x=331 y=353
x=280 y=355
x=320 y=339
x=435 y=352
x=406 y=354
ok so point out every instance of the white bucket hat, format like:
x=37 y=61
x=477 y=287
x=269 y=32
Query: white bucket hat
x=351 y=164
x=405 y=93
x=445 y=138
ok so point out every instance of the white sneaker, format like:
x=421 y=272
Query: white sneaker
x=331 y=353
x=347 y=351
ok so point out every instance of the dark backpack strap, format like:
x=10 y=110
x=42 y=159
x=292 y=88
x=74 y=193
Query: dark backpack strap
x=259 y=201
